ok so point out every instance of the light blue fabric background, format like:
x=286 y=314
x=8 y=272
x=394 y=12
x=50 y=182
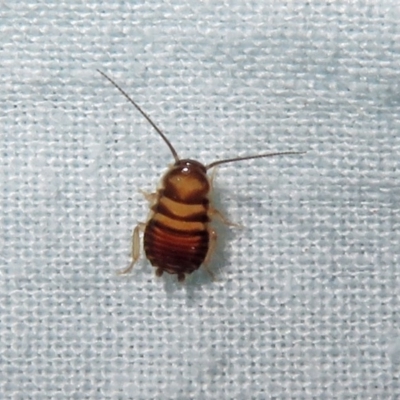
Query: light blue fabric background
x=306 y=302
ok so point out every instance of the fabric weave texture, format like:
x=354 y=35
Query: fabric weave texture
x=306 y=300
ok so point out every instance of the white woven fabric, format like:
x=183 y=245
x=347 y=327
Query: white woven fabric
x=306 y=301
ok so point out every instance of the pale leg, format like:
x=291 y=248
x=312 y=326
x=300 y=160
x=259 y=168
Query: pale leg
x=213 y=212
x=210 y=252
x=212 y=177
x=135 y=247
x=150 y=197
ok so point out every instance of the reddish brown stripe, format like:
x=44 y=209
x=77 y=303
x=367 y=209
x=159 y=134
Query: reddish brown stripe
x=165 y=241
x=172 y=195
x=203 y=201
x=183 y=233
x=195 y=217
x=184 y=252
x=158 y=238
x=175 y=252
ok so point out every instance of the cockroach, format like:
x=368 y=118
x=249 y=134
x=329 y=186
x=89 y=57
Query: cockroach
x=177 y=236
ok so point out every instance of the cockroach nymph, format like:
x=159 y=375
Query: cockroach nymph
x=177 y=236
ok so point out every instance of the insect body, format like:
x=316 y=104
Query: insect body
x=177 y=236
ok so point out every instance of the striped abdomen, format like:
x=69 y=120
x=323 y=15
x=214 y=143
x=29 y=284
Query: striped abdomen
x=176 y=238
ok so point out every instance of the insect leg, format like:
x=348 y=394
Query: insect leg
x=150 y=197
x=211 y=248
x=213 y=212
x=212 y=177
x=135 y=247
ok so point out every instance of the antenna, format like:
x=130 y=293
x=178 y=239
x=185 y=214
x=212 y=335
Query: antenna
x=229 y=160
x=158 y=130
